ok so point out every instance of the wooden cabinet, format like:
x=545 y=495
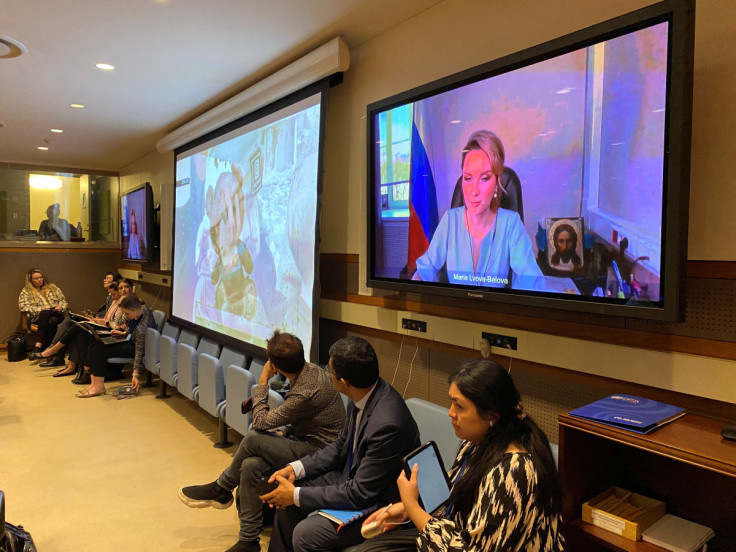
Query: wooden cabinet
x=686 y=464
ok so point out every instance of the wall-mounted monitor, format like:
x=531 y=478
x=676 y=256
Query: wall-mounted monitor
x=137 y=225
x=246 y=225
x=554 y=177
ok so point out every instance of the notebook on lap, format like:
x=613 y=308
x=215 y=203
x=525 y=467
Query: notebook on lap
x=101 y=336
x=76 y=317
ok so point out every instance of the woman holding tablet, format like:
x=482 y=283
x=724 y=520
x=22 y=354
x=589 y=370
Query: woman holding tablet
x=505 y=491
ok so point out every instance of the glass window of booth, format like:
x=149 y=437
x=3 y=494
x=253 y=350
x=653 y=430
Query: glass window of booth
x=43 y=205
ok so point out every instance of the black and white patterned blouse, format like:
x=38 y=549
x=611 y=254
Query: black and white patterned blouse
x=504 y=516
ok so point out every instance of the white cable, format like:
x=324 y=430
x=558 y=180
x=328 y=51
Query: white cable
x=510 y=360
x=410 y=368
x=398 y=359
x=160 y=289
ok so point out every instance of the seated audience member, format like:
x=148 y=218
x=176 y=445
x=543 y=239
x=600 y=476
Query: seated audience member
x=66 y=324
x=118 y=320
x=104 y=315
x=44 y=305
x=358 y=470
x=55 y=228
x=309 y=419
x=80 y=346
x=140 y=318
x=75 y=338
x=505 y=491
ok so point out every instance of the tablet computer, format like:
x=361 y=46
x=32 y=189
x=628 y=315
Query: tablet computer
x=434 y=488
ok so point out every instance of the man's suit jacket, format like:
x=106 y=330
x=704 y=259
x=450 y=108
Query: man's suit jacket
x=387 y=432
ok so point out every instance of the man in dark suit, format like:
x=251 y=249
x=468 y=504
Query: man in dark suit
x=358 y=470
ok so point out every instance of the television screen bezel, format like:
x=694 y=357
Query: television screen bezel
x=321 y=87
x=150 y=230
x=681 y=16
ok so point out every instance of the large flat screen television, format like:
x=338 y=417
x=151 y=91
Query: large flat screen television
x=246 y=226
x=137 y=225
x=554 y=177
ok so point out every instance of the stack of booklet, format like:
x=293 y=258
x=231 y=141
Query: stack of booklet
x=678 y=535
x=629 y=412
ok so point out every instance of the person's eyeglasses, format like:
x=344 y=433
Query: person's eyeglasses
x=327 y=369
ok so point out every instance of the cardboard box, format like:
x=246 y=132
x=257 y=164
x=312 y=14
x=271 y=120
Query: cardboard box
x=623 y=512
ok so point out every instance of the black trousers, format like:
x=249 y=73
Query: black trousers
x=78 y=348
x=47 y=321
x=293 y=530
x=98 y=353
x=403 y=539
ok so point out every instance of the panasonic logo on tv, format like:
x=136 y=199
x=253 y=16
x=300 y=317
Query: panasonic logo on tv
x=477 y=295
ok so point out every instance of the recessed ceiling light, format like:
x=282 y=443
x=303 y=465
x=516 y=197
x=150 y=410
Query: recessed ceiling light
x=57 y=130
x=44 y=148
x=78 y=106
x=11 y=48
x=104 y=66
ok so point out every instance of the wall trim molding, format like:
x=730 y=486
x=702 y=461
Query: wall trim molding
x=578 y=330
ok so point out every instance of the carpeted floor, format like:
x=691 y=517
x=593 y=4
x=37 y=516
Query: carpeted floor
x=103 y=474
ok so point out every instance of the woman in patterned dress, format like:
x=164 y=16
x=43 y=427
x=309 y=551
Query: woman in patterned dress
x=505 y=495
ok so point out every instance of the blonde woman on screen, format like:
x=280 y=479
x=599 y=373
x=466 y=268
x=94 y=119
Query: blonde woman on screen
x=480 y=243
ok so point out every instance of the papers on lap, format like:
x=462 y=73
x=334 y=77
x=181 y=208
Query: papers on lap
x=629 y=412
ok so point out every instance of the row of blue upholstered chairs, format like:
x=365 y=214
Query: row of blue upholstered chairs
x=219 y=379
x=203 y=371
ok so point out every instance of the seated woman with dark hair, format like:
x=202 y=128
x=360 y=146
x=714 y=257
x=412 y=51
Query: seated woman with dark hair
x=140 y=318
x=78 y=340
x=44 y=305
x=505 y=491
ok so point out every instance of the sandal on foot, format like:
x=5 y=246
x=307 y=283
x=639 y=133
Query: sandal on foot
x=86 y=394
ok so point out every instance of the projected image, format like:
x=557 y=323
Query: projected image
x=134 y=237
x=467 y=181
x=245 y=228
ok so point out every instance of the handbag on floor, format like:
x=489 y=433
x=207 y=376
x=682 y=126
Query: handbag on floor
x=16 y=348
x=12 y=538
x=17 y=539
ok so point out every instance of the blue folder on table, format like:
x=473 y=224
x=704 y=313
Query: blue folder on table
x=629 y=412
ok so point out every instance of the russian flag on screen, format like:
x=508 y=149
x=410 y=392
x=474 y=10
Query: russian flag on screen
x=423 y=217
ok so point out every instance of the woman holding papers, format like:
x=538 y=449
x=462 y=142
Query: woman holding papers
x=505 y=491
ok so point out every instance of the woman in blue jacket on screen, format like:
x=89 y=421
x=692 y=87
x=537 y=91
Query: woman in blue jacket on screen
x=480 y=243
x=136 y=242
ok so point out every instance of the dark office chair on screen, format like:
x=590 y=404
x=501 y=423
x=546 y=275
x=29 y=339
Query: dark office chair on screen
x=511 y=200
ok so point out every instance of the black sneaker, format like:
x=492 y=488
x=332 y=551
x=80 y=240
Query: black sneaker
x=203 y=496
x=245 y=546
